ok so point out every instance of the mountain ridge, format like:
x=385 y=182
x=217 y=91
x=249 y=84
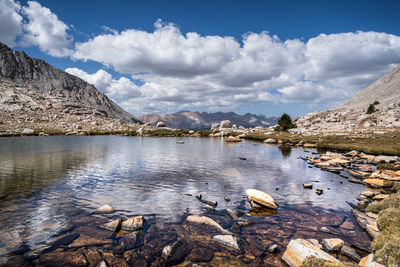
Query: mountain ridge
x=23 y=70
x=203 y=120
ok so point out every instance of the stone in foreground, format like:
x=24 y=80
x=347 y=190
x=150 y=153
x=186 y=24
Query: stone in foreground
x=227 y=240
x=260 y=199
x=298 y=250
x=207 y=222
x=105 y=209
x=133 y=224
x=332 y=244
x=114 y=226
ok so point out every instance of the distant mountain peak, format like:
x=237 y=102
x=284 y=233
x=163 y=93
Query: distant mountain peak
x=204 y=120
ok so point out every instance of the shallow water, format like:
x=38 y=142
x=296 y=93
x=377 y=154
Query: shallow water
x=48 y=183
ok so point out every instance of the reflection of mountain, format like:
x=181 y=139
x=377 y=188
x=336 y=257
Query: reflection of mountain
x=33 y=205
x=26 y=167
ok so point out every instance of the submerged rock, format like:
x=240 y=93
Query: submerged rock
x=231 y=139
x=199 y=196
x=133 y=224
x=227 y=240
x=260 y=199
x=176 y=252
x=298 y=250
x=350 y=253
x=105 y=209
x=180 y=142
x=234 y=214
x=207 y=222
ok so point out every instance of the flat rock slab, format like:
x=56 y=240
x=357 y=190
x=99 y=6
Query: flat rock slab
x=207 y=222
x=379 y=182
x=227 y=240
x=298 y=250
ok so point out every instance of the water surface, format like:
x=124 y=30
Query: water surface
x=46 y=183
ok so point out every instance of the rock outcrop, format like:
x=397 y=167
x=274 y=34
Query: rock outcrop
x=383 y=94
x=23 y=71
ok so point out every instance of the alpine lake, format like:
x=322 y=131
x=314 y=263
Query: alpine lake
x=49 y=187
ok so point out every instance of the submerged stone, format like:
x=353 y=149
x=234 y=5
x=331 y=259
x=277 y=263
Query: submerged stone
x=227 y=240
x=207 y=222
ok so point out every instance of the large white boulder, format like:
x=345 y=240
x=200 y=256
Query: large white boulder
x=260 y=199
x=298 y=250
x=226 y=124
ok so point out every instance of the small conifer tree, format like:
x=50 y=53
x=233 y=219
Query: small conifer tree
x=285 y=122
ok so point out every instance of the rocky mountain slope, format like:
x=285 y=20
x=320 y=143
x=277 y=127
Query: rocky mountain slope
x=26 y=72
x=383 y=94
x=204 y=120
x=25 y=110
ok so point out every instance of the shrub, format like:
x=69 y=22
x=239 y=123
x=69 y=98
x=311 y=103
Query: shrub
x=285 y=123
x=387 y=248
x=393 y=201
x=371 y=109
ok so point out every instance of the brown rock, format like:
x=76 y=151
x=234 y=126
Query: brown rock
x=200 y=254
x=379 y=182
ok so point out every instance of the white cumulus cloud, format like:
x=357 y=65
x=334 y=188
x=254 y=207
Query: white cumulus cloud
x=45 y=30
x=180 y=71
x=10 y=21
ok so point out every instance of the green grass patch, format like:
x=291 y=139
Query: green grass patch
x=384 y=144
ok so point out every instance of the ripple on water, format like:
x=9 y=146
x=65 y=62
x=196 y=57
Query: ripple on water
x=47 y=183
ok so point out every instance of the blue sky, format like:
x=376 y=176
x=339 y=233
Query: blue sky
x=265 y=57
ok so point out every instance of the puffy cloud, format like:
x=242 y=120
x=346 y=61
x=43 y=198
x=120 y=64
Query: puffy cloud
x=10 y=21
x=116 y=89
x=188 y=70
x=45 y=30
